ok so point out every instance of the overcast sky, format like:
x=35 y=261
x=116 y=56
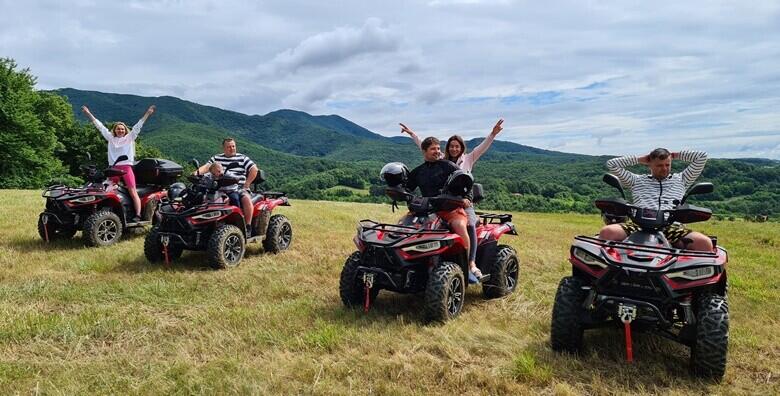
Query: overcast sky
x=576 y=76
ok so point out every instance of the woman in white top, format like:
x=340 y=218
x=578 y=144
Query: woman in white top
x=455 y=151
x=120 y=143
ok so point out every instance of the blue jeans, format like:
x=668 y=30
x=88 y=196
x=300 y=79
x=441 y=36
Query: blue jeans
x=235 y=197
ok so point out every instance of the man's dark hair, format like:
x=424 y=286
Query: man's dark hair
x=659 y=153
x=428 y=142
x=227 y=139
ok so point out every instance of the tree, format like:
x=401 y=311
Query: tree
x=27 y=138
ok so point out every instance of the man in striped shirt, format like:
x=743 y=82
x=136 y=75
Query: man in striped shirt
x=246 y=174
x=660 y=190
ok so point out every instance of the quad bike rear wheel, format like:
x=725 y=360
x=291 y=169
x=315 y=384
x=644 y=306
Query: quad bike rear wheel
x=566 y=328
x=445 y=292
x=709 y=350
x=504 y=272
x=226 y=247
x=102 y=228
x=351 y=286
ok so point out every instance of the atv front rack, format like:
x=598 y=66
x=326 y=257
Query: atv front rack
x=646 y=249
x=60 y=190
x=491 y=218
x=397 y=229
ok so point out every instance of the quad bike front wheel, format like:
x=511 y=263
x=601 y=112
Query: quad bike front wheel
x=351 y=286
x=566 y=329
x=445 y=292
x=709 y=350
x=102 y=228
x=153 y=248
x=279 y=234
x=54 y=231
x=226 y=247
x=504 y=272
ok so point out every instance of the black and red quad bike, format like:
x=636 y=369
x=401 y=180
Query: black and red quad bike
x=421 y=255
x=101 y=210
x=645 y=283
x=200 y=217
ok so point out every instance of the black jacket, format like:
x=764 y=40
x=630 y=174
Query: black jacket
x=430 y=177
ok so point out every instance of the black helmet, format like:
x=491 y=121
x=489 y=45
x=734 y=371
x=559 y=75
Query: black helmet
x=175 y=190
x=394 y=174
x=459 y=183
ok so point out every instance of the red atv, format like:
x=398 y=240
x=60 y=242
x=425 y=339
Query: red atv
x=200 y=217
x=421 y=255
x=645 y=283
x=102 y=210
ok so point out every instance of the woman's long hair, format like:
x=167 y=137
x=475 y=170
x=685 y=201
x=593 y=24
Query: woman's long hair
x=447 y=148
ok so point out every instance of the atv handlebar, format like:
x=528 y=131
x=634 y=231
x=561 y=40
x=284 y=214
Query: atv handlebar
x=648 y=218
x=424 y=205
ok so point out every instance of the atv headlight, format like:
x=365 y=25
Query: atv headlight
x=423 y=247
x=588 y=258
x=694 y=273
x=46 y=194
x=85 y=199
x=208 y=215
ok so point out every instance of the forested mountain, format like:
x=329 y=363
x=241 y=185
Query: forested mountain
x=329 y=157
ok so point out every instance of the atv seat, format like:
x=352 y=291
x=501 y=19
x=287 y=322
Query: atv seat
x=142 y=191
x=257 y=198
x=114 y=172
x=432 y=219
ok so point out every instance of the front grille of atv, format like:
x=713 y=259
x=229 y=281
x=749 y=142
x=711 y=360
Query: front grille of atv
x=173 y=223
x=630 y=285
x=55 y=206
x=377 y=257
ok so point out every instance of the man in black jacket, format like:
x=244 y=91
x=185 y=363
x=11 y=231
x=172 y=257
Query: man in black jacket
x=430 y=177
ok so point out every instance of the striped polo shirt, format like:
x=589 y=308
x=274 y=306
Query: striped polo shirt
x=242 y=159
x=649 y=192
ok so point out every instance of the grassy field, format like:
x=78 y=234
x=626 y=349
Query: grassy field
x=77 y=320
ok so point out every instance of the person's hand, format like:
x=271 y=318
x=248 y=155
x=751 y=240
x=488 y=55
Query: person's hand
x=644 y=160
x=151 y=110
x=405 y=129
x=675 y=155
x=85 y=109
x=466 y=203
x=497 y=128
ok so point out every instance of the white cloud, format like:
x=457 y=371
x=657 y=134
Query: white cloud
x=594 y=78
x=339 y=45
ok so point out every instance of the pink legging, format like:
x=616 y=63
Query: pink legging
x=128 y=177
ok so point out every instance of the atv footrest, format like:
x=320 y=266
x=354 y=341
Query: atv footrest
x=256 y=238
x=139 y=223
